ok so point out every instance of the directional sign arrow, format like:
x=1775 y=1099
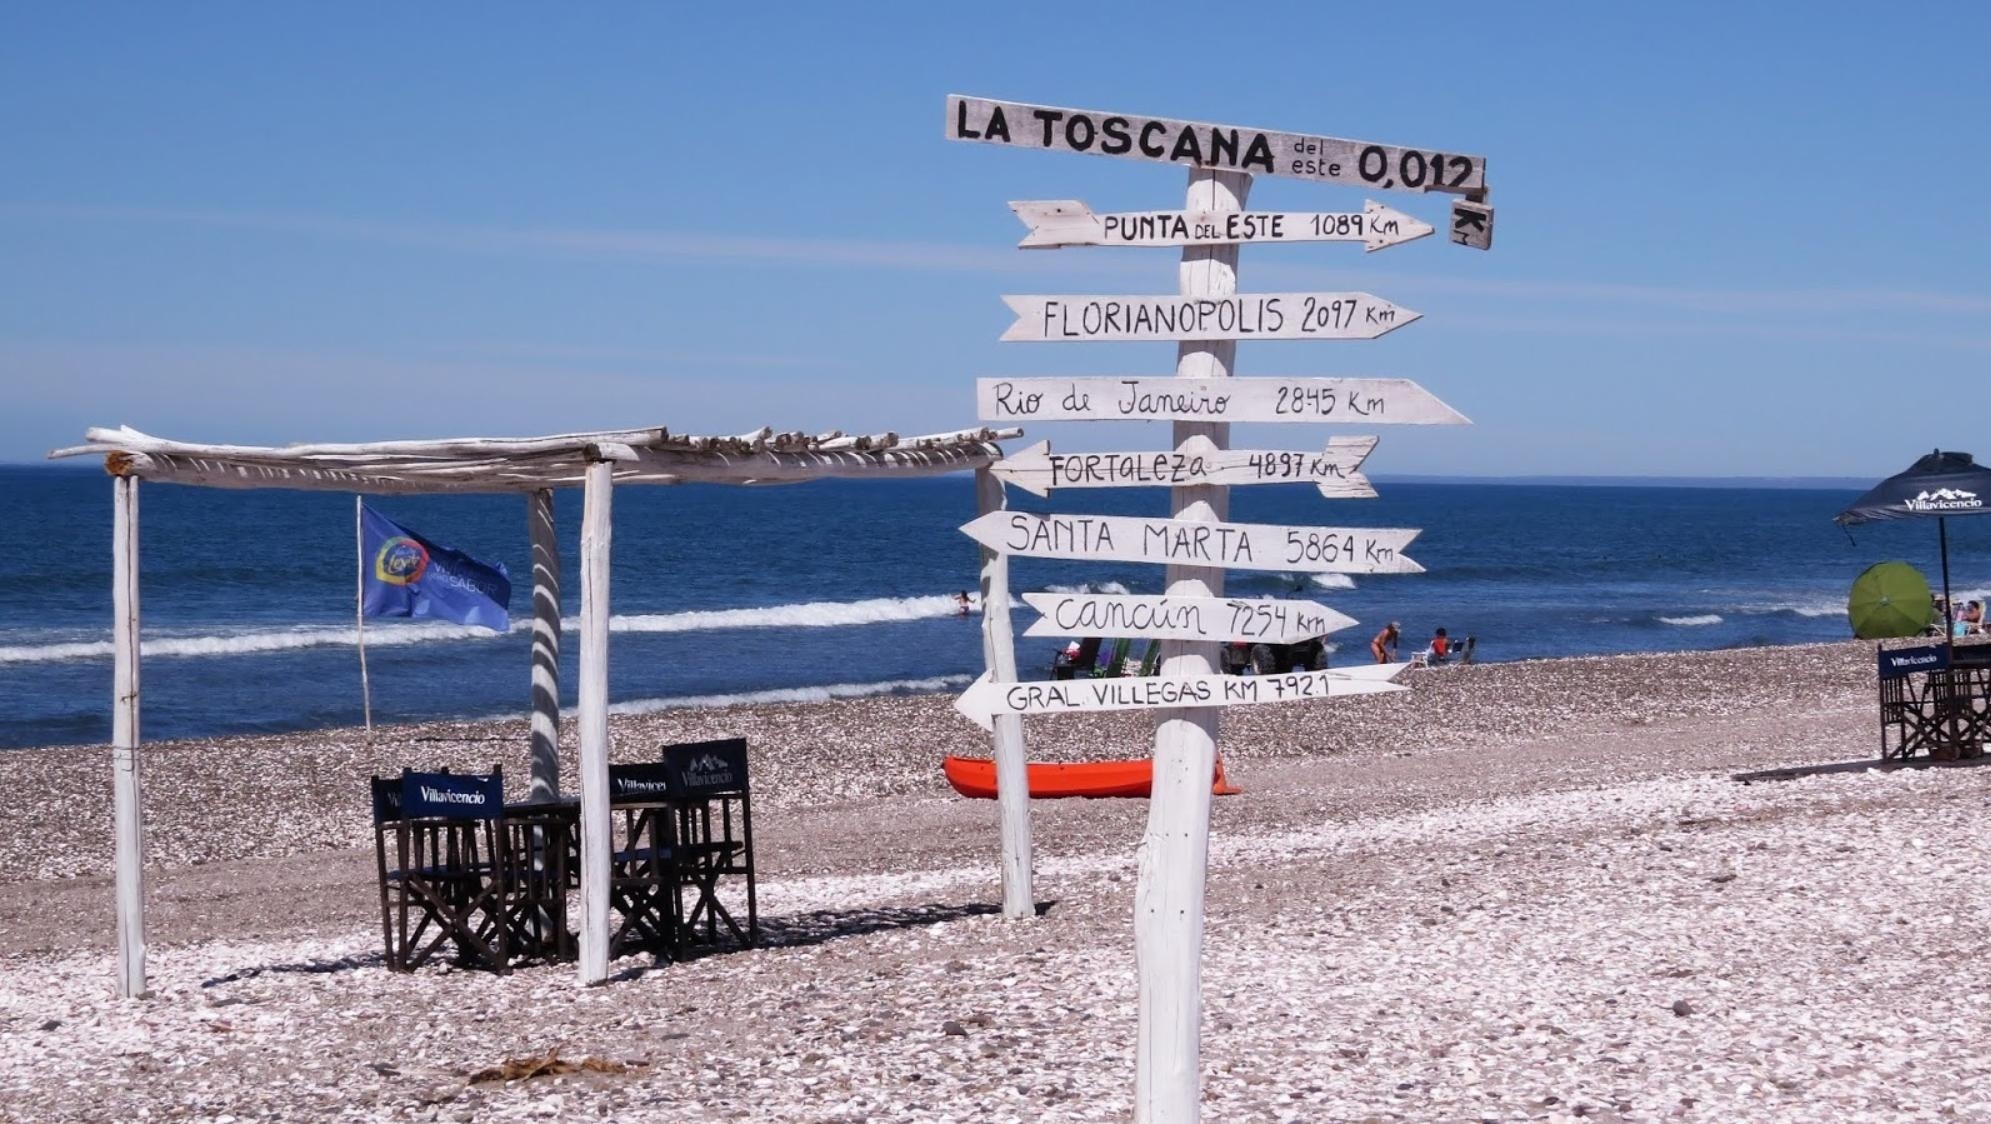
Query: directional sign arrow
x=1241 y=316
x=1198 y=144
x=1257 y=399
x=1196 y=461
x=1068 y=222
x=1239 y=546
x=983 y=699
x=1182 y=618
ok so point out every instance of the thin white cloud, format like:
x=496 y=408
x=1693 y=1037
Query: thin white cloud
x=625 y=244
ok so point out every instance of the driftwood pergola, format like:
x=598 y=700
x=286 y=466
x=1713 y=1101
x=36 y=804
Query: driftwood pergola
x=532 y=467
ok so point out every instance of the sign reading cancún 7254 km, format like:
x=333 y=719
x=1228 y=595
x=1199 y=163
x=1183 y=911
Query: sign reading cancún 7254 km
x=1196 y=144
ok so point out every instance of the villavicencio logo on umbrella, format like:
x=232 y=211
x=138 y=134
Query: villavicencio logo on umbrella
x=1943 y=499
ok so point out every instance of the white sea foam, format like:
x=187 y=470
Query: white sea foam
x=823 y=693
x=1334 y=581
x=1801 y=608
x=1087 y=587
x=812 y=614
x=271 y=640
x=1695 y=621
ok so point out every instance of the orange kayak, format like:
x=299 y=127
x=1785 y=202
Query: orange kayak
x=975 y=777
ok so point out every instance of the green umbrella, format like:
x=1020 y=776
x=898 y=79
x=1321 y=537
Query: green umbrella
x=1890 y=599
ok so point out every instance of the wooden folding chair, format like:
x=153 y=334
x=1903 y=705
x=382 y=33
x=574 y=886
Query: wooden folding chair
x=714 y=836
x=643 y=887
x=446 y=872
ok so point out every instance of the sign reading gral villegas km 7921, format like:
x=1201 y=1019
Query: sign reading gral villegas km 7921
x=984 y=699
x=1226 y=147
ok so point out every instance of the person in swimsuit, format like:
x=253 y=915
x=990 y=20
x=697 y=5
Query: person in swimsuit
x=1383 y=647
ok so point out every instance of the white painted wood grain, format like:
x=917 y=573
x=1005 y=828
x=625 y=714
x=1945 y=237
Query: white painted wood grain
x=1056 y=223
x=1195 y=144
x=1163 y=617
x=1078 y=318
x=1262 y=398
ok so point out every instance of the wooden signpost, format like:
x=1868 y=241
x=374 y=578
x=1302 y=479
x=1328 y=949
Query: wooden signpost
x=1197 y=542
x=1038 y=470
x=1207 y=319
x=985 y=699
x=1149 y=617
x=1257 y=399
x=1244 y=316
x=1067 y=222
x=1199 y=146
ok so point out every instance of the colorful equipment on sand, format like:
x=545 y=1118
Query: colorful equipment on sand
x=975 y=777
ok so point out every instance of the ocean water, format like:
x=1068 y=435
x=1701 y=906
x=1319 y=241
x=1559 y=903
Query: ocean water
x=845 y=588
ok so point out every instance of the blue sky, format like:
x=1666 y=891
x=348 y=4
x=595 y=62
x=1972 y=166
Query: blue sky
x=1732 y=239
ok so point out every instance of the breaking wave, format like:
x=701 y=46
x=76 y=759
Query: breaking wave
x=1087 y=587
x=811 y=614
x=1694 y=621
x=824 y=693
x=1333 y=581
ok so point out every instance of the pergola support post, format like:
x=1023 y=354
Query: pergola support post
x=1012 y=773
x=129 y=825
x=1168 y=900
x=596 y=529
x=545 y=735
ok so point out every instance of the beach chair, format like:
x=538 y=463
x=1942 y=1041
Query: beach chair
x=643 y=888
x=437 y=884
x=532 y=868
x=714 y=844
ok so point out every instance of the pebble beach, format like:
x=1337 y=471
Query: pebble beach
x=1524 y=891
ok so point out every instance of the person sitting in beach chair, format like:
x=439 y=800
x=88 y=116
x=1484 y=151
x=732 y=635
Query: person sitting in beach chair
x=1435 y=653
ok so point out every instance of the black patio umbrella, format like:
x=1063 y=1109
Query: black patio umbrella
x=1936 y=486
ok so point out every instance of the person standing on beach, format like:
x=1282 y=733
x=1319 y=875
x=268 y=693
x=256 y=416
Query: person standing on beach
x=1383 y=647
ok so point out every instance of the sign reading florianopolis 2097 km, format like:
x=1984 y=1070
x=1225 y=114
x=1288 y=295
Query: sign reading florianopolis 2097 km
x=1226 y=147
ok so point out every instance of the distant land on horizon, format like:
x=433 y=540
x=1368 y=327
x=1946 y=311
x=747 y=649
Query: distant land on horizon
x=1819 y=483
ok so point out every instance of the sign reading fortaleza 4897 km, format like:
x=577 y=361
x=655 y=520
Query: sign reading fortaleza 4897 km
x=1196 y=461
x=1198 y=145
x=985 y=699
x=1243 y=316
x=1238 y=546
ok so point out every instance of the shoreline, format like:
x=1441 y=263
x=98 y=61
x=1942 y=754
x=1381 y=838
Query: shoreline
x=943 y=685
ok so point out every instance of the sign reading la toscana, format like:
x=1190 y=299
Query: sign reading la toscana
x=1196 y=144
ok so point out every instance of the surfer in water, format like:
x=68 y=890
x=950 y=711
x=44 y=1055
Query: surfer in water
x=962 y=607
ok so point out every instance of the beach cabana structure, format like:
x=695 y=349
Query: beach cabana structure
x=532 y=467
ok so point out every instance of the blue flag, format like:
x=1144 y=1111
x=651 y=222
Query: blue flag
x=406 y=575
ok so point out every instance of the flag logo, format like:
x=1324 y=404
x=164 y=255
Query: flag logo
x=401 y=561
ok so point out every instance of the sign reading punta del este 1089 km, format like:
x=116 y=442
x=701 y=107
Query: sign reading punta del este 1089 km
x=1226 y=147
x=1244 y=316
x=1067 y=222
x=1147 y=615
x=985 y=699
x=1239 y=546
x=1257 y=399
x=1333 y=469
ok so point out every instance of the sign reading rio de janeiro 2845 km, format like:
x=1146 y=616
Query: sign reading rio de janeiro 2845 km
x=1196 y=144
x=1261 y=398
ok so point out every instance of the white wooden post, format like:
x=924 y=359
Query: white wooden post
x=130 y=827
x=595 y=841
x=545 y=645
x=1012 y=773
x=1168 y=902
